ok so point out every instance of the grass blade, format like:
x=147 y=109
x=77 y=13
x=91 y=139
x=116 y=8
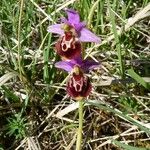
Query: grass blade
x=7 y=77
x=127 y=147
x=118 y=47
x=139 y=79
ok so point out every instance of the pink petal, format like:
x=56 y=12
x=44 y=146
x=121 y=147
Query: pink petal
x=87 y=36
x=89 y=65
x=73 y=16
x=79 y=26
x=76 y=61
x=65 y=65
x=57 y=28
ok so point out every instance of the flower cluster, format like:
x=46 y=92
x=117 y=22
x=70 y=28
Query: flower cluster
x=69 y=46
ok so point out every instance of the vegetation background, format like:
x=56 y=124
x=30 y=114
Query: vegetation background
x=36 y=113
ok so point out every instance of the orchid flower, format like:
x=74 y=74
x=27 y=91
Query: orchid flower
x=78 y=85
x=73 y=24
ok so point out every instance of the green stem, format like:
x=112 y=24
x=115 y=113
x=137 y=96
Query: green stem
x=79 y=134
x=19 y=38
x=91 y=14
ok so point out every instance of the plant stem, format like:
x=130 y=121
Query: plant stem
x=79 y=134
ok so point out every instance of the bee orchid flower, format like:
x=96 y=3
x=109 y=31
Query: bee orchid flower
x=78 y=85
x=73 y=24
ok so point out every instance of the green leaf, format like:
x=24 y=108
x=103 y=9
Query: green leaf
x=128 y=147
x=137 y=78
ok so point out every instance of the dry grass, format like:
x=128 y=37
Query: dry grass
x=118 y=109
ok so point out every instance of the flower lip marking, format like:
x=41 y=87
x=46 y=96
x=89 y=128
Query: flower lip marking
x=68 y=41
x=68 y=46
x=78 y=85
x=77 y=79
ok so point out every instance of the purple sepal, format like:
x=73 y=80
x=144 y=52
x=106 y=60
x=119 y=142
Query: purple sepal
x=87 y=36
x=85 y=65
x=56 y=28
x=89 y=65
x=65 y=65
x=73 y=16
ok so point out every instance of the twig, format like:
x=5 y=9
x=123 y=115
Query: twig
x=111 y=81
